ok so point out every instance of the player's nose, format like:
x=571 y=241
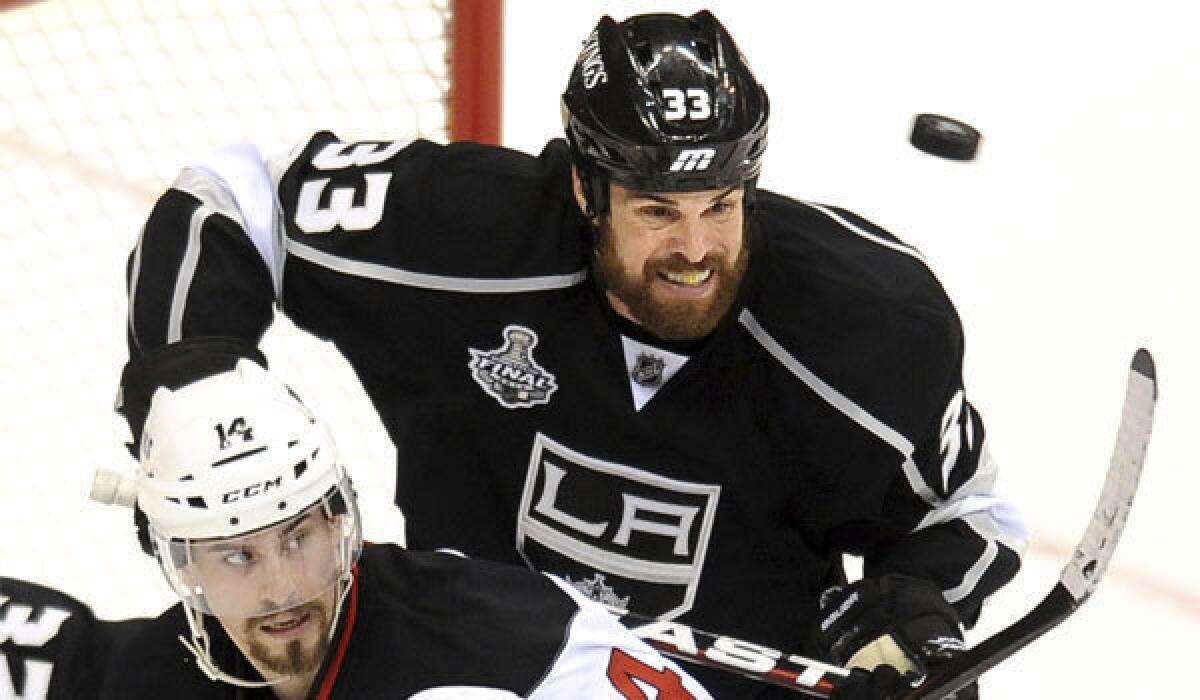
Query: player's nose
x=691 y=239
x=277 y=585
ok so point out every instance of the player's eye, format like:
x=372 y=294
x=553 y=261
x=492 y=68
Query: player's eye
x=657 y=212
x=238 y=558
x=296 y=540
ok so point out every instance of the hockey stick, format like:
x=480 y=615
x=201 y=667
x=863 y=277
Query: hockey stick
x=1083 y=572
x=1078 y=581
x=803 y=675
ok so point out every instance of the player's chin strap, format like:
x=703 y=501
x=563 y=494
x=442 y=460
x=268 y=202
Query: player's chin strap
x=201 y=646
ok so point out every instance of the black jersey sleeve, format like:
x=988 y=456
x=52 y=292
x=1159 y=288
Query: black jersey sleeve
x=947 y=524
x=208 y=261
x=944 y=521
x=870 y=331
x=52 y=646
x=349 y=240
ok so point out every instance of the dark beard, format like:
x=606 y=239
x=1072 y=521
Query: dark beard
x=676 y=320
x=296 y=659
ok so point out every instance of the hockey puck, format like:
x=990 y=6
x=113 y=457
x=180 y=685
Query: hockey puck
x=944 y=137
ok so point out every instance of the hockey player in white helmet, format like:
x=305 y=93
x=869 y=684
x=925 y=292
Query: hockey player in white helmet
x=254 y=523
x=252 y=519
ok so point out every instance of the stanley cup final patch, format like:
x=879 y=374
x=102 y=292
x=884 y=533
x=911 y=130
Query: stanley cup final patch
x=510 y=374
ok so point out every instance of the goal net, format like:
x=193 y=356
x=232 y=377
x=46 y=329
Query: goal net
x=103 y=102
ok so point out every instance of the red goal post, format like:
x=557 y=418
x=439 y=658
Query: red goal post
x=477 y=70
x=103 y=102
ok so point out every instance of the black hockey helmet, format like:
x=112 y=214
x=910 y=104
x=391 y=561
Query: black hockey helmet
x=663 y=103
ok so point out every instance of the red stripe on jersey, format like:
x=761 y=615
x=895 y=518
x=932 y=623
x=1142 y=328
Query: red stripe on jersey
x=335 y=666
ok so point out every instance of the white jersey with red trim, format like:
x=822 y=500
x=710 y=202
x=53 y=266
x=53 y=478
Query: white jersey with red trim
x=428 y=625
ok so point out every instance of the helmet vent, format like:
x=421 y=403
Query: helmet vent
x=197 y=502
x=299 y=468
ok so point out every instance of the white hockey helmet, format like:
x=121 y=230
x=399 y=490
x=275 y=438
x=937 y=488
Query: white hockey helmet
x=241 y=486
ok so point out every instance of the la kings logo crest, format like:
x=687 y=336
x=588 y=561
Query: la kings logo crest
x=510 y=374
x=621 y=535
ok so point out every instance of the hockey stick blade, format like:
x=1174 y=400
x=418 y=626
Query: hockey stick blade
x=1083 y=572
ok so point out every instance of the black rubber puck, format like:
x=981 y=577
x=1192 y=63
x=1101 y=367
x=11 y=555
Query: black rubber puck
x=945 y=137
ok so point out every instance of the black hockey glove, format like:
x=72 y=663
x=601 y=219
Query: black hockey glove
x=172 y=366
x=883 y=682
x=897 y=621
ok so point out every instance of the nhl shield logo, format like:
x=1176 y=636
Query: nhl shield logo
x=510 y=374
x=648 y=370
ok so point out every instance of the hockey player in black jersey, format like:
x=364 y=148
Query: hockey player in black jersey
x=621 y=361
x=255 y=525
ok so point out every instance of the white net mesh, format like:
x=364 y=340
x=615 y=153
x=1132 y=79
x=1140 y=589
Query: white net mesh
x=103 y=102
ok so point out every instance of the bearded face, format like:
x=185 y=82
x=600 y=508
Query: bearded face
x=672 y=262
x=289 y=643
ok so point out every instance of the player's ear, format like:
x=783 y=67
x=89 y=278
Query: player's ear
x=577 y=188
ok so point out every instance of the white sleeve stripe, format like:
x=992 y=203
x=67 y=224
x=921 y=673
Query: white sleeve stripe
x=394 y=275
x=843 y=404
x=996 y=524
x=990 y=517
x=974 y=502
x=187 y=272
x=133 y=282
x=238 y=187
x=974 y=575
x=901 y=247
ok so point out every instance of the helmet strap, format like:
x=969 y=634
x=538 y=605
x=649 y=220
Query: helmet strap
x=749 y=189
x=201 y=648
x=595 y=192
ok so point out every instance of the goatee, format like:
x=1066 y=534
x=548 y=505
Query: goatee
x=296 y=659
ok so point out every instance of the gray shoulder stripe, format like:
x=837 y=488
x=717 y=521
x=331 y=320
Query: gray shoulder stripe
x=135 y=268
x=901 y=247
x=187 y=272
x=470 y=285
x=851 y=410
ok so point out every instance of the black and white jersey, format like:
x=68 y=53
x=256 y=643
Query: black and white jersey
x=427 y=625
x=719 y=483
x=51 y=645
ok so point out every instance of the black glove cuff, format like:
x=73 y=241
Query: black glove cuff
x=174 y=366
